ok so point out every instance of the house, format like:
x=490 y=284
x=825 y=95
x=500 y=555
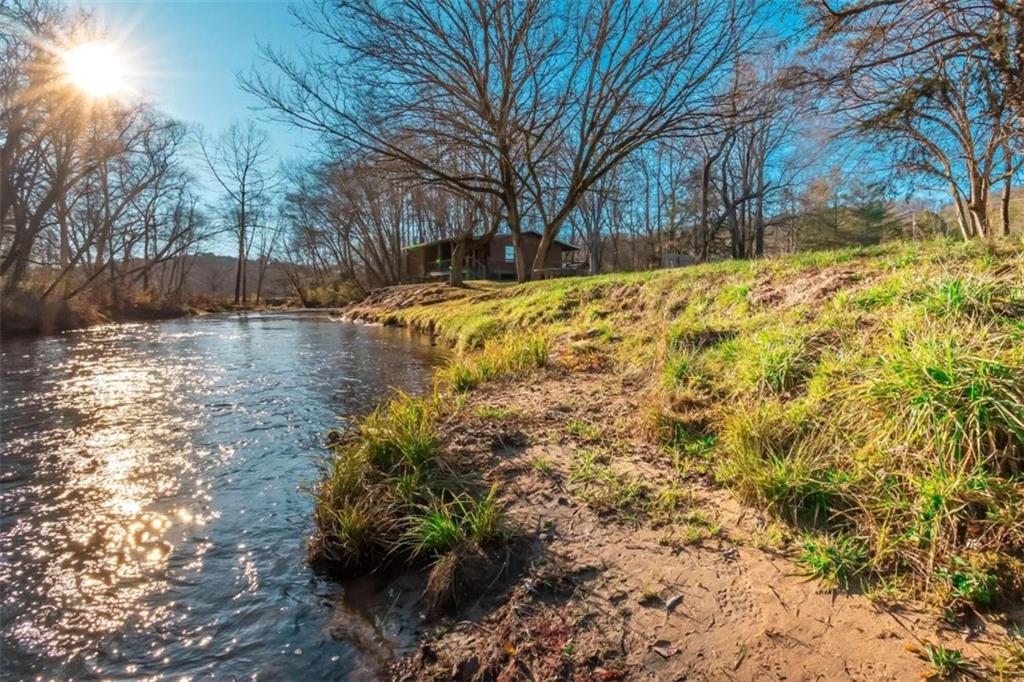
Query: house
x=492 y=258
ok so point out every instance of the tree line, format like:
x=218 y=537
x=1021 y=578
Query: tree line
x=91 y=197
x=654 y=133
x=648 y=133
x=101 y=200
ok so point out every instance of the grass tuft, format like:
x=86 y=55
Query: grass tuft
x=833 y=559
x=583 y=430
x=967 y=585
x=389 y=494
x=506 y=357
x=946 y=664
x=401 y=433
x=975 y=297
x=774 y=464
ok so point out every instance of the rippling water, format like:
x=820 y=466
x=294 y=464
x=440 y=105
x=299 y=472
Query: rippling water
x=153 y=493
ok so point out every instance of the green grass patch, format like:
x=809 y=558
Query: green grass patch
x=976 y=297
x=545 y=466
x=498 y=413
x=400 y=433
x=946 y=664
x=774 y=360
x=606 y=489
x=966 y=585
x=885 y=405
x=510 y=356
x=390 y=494
x=583 y=430
x=833 y=559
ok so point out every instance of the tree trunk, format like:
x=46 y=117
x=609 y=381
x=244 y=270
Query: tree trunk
x=546 y=240
x=704 y=237
x=594 y=254
x=262 y=269
x=978 y=206
x=145 y=255
x=458 y=260
x=978 y=211
x=759 y=207
x=962 y=219
x=65 y=239
x=238 y=276
x=759 y=229
x=17 y=273
x=511 y=201
x=1004 y=202
x=115 y=295
x=245 y=278
x=522 y=269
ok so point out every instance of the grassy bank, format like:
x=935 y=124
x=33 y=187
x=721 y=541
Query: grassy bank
x=871 y=399
x=393 y=495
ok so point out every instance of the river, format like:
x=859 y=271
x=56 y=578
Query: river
x=155 y=496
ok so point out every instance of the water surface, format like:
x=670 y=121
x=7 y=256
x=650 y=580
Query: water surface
x=154 y=495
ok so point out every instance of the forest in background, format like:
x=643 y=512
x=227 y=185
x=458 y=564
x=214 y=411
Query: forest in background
x=650 y=134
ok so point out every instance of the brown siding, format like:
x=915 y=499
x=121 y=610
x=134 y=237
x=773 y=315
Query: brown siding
x=553 y=259
x=497 y=266
x=414 y=266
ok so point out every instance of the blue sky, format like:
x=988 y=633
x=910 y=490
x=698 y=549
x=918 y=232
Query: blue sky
x=187 y=53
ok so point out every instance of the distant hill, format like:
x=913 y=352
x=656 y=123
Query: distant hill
x=213 y=275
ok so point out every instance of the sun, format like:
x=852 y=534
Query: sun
x=96 y=69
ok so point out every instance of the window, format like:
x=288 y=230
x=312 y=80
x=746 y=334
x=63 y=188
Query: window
x=510 y=253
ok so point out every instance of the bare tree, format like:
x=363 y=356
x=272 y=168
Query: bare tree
x=214 y=278
x=550 y=97
x=238 y=162
x=267 y=242
x=351 y=220
x=52 y=138
x=944 y=119
x=859 y=36
x=133 y=198
x=84 y=184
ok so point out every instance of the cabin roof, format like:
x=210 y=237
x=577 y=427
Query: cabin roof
x=564 y=245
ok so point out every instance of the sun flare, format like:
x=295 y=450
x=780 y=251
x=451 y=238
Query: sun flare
x=96 y=69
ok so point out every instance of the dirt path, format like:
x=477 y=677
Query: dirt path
x=616 y=594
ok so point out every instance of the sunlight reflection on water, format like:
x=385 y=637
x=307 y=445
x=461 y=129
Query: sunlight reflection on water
x=152 y=517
